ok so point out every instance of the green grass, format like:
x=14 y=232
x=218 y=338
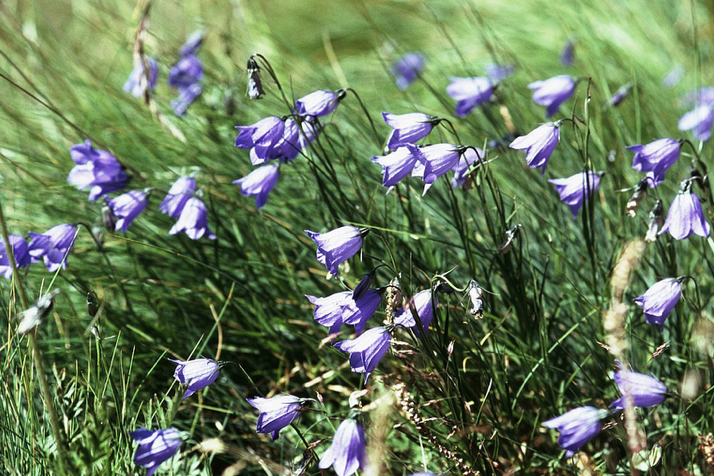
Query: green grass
x=481 y=388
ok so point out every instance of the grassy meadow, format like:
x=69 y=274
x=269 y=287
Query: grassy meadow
x=470 y=397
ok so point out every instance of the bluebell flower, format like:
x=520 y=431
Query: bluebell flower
x=97 y=169
x=133 y=84
x=577 y=427
x=52 y=246
x=422 y=304
x=336 y=246
x=330 y=309
x=645 y=391
x=659 y=300
x=276 y=413
x=407 y=69
x=358 y=311
x=19 y=252
x=469 y=157
x=568 y=53
x=197 y=373
x=193 y=220
x=262 y=137
x=700 y=120
x=553 y=92
x=408 y=128
x=620 y=95
x=179 y=193
x=347 y=453
x=685 y=215
x=655 y=158
x=498 y=72
x=396 y=166
x=573 y=190
x=319 y=103
x=434 y=161
x=469 y=93
x=155 y=447
x=127 y=207
x=539 y=145
x=187 y=94
x=366 y=350
x=188 y=71
x=364 y=285
x=259 y=183
x=193 y=43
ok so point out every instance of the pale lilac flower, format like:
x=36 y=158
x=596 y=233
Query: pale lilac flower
x=19 y=252
x=193 y=220
x=408 y=128
x=347 y=453
x=127 y=207
x=187 y=94
x=319 y=103
x=470 y=156
x=193 y=43
x=700 y=120
x=155 y=447
x=262 y=137
x=259 y=183
x=553 y=92
x=568 y=54
x=97 y=169
x=179 y=193
x=469 y=93
x=329 y=309
x=396 y=166
x=620 y=95
x=422 y=304
x=358 y=311
x=435 y=161
x=188 y=71
x=673 y=77
x=573 y=190
x=645 y=391
x=52 y=246
x=539 y=145
x=336 y=246
x=197 y=374
x=133 y=84
x=497 y=72
x=659 y=300
x=276 y=413
x=686 y=216
x=366 y=350
x=655 y=158
x=577 y=427
x=407 y=69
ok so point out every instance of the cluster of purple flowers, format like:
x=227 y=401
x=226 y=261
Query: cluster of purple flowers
x=187 y=73
x=51 y=247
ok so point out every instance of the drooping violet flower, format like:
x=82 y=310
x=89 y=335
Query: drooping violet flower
x=364 y=285
x=366 y=350
x=659 y=300
x=469 y=157
x=276 y=413
x=179 y=193
x=197 y=373
x=336 y=246
x=577 y=427
x=408 y=128
x=358 y=311
x=553 y=92
x=655 y=158
x=259 y=183
x=395 y=166
x=255 y=84
x=329 y=309
x=469 y=93
x=97 y=169
x=645 y=391
x=188 y=71
x=155 y=447
x=193 y=43
x=347 y=453
x=700 y=120
x=127 y=207
x=422 y=304
x=568 y=54
x=407 y=69
x=193 y=220
x=187 y=94
x=685 y=215
x=319 y=103
x=573 y=190
x=497 y=72
x=52 y=246
x=133 y=84
x=539 y=144
x=19 y=252
x=435 y=161
x=262 y=137
x=620 y=95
